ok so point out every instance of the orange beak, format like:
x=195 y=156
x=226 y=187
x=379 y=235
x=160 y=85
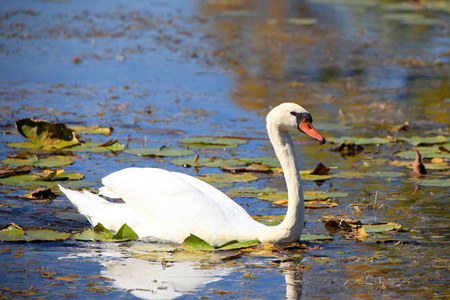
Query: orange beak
x=306 y=127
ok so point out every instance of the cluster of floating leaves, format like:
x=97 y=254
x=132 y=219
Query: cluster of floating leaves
x=53 y=146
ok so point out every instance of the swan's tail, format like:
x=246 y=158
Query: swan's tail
x=87 y=203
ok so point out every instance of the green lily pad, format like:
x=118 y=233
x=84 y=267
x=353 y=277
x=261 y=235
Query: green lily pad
x=68 y=180
x=205 y=162
x=109 y=146
x=24 y=145
x=386 y=174
x=434 y=182
x=13 y=233
x=418 y=140
x=194 y=242
x=263 y=160
x=376 y=228
x=25 y=159
x=45 y=134
x=426 y=152
x=125 y=233
x=301 y=21
x=315 y=237
x=100 y=233
x=211 y=142
x=94 y=129
x=412 y=19
x=250 y=191
x=228 y=177
x=306 y=175
x=402 y=6
x=358 y=141
x=162 y=151
x=45 y=235
x=69 y=215
x=235 y=245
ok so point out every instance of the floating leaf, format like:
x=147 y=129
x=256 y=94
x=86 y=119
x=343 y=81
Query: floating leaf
x=69 y=215
x=412 y=19
x=235 y=245
x=45 y=235
x=227 y=177
x=269 y=220
x=302 y=21
x=251 y=191
x=162 y=151
x=212 y=142
x=386 y=174
x=98 y=233
x=434 y=182
x=111 y=145
x=25 y=159
x=69 y=180
x=426 y=140
x=195 y=242
x=368 y=228
x=45 y=134
x=94 y=129
x=13 y=233
x=358 y=140
x=315 y=237
x=205 y=162
x=263 y=160
x=125 y=233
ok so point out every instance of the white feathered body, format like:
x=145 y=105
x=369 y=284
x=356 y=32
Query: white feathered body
x=168 y=206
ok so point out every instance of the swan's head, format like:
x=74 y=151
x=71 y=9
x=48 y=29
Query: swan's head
x=292 y=117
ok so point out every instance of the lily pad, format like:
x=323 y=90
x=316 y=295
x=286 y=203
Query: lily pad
x=25 y=159
x=45 y=134
x=227 y=177
x=194 y=242
x=205 y=162
x=315 y=237
x=69 y=215
x=162 y=151
x=14 y=233
x=358 y=140
x=251 y=191
x=427 y=140
x=109 y=146
x=68 y=180
x=212 y=142
x=434 y=182
x=385 y=174
x=412 y=19
x=94 y=129
x=100 y=233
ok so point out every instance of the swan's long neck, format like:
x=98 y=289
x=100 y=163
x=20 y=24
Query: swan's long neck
x=291 y=227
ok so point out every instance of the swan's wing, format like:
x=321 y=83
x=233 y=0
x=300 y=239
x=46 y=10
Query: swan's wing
x=98 y=210
x=173 y=205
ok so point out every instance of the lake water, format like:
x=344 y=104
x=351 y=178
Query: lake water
x=159 y=71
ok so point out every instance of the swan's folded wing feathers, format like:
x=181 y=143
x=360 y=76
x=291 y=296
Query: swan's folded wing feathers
x=181 y=205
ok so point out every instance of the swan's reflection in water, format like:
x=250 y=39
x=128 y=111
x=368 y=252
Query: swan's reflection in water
x=158 y=279
x=151 y=280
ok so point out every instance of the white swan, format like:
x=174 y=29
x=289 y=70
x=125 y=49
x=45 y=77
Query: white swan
x=170 y=206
